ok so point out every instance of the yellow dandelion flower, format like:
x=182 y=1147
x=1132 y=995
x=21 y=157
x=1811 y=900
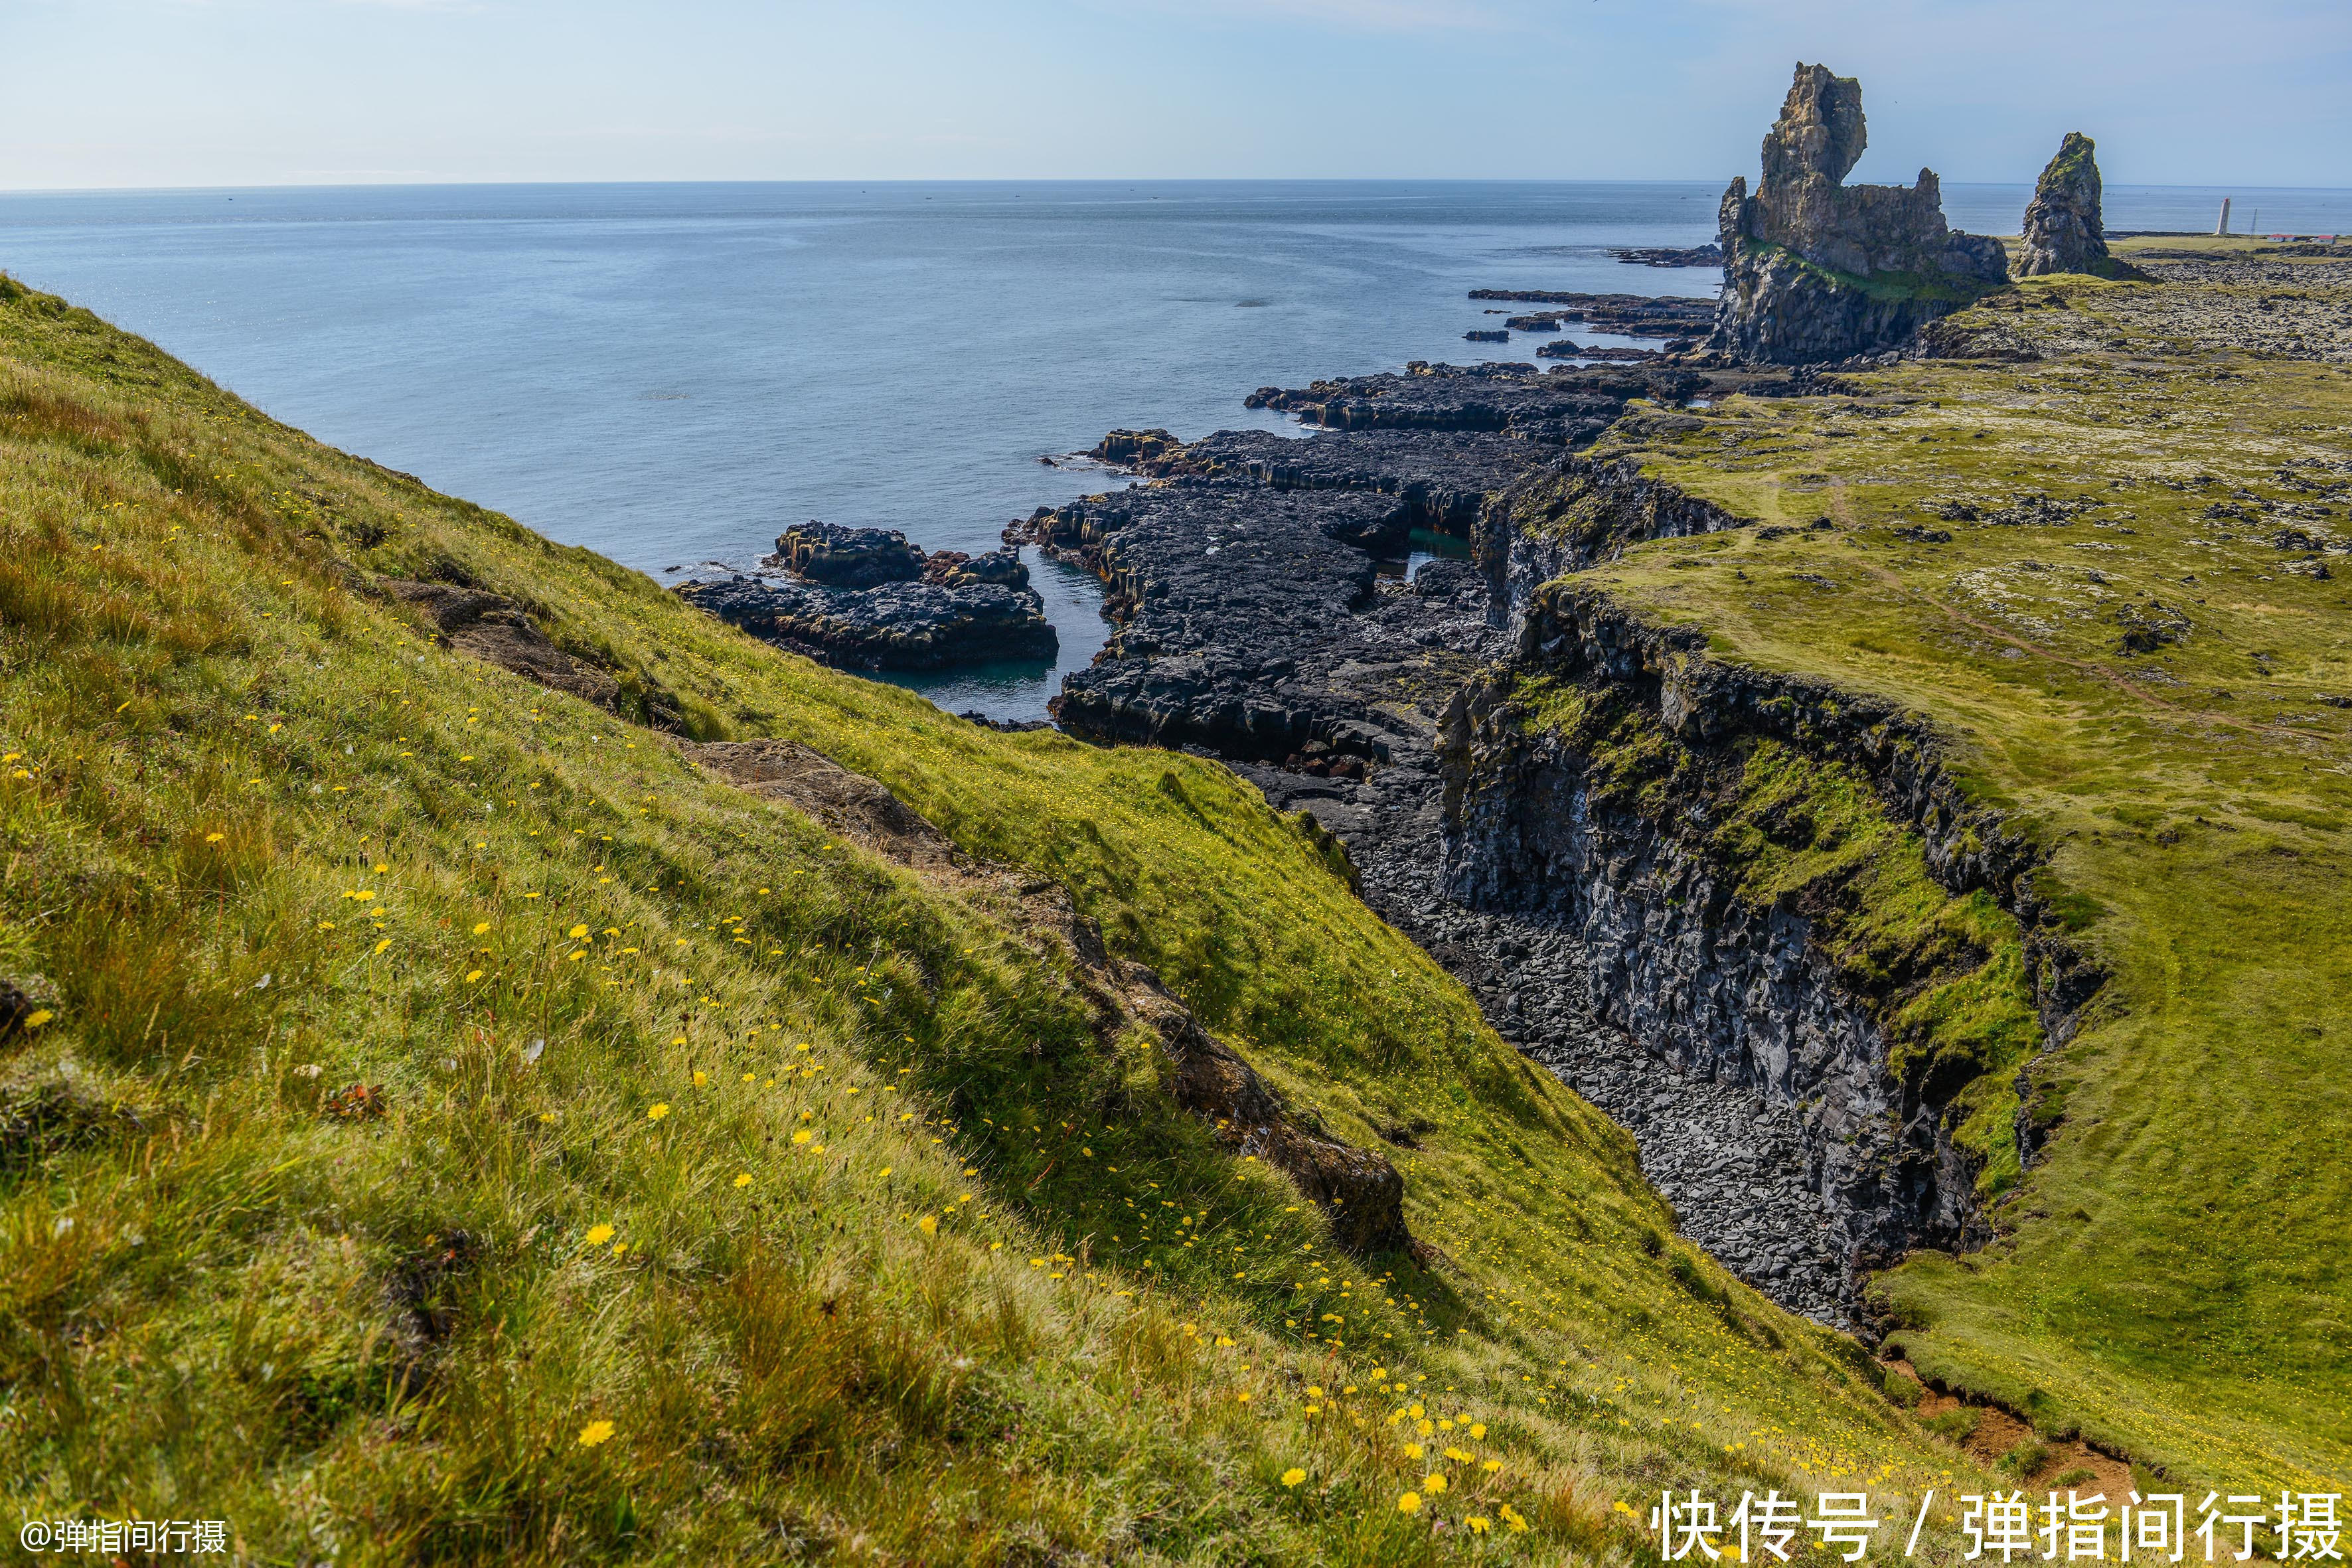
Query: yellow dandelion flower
x=472 y=975
x=1478 y=1429
x=1491 y=1465
x=802 y=1136
x=1433 y=1484
x=1244 y=1396
x=1409 y=1503
x=576 y=932
x=595 y=1432
x=575 y=957
x=481 y=928
x=215 y=837
x=598 y=1235
x=655 y=1112
x=1511 y=1517
x=1479 y=1524
x=744 y=1180
x=1292 y=1477
x=1413 y=1450
x=700 y=1078
x=382 y=945
x=37 y=1017
x=928 y=1225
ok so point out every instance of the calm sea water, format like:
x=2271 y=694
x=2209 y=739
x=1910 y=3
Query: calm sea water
x=671 y=373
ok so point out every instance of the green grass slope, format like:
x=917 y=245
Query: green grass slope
x=2151 y=668
x=450 y=1124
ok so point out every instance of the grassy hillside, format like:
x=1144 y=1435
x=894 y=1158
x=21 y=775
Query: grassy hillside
x=2105 y=571
x=444 y=1121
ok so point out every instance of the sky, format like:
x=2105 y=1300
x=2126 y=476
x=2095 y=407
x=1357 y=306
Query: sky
x=145 y=93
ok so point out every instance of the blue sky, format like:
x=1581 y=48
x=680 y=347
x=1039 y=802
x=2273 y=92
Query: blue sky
x=202 y=92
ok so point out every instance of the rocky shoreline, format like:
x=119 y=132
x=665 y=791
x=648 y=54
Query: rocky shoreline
x=1261 y=620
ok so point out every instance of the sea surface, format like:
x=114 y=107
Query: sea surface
x=672 y=374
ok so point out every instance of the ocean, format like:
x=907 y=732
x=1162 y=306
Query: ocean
x=671 y=373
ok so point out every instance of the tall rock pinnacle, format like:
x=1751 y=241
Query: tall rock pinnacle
x=1814 y=268
x=2063 y=231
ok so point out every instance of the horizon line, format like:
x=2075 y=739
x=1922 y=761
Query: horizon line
x=1029 y=180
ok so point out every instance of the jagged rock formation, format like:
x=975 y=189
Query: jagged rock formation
x=2063 y=230
x=865 y=598
x=1818 y=269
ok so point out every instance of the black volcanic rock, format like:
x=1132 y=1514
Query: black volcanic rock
x=1494 y=337
x=1222 y=586
x=1569 y=348
x=1818 y=269
x=1134 y=448
x=848 y=557
x=2063 y=229
x=1443 y=477
x=1562 y=406
x=1626 y=315
x=954 y=569
x=1697 y=256
x=896 y=626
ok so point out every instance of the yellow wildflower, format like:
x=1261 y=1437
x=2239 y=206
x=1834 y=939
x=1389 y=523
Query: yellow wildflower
x=1433 y=1484
x=802 y=1136
x=598 y=1235
x=1409 y=1503
x=744 y=1180
x=1292 y=1477
x=595 y=1432
x=928 y=1225
x=655 y=1112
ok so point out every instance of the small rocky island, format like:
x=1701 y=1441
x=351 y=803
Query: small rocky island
x=866 y=598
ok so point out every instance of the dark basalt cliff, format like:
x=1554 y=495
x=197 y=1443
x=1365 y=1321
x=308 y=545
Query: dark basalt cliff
x=1613 y=835
x=1818 y=269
